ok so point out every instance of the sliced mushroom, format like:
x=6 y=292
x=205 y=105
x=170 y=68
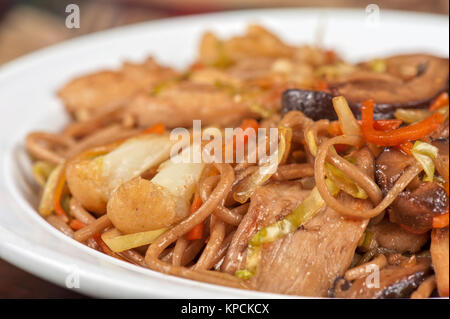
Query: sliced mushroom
x=410 y=81
x=314 y=104
x=395 y=281
x=391 y=236
x=416 y=206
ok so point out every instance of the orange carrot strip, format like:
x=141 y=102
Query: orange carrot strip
x=321 y=85
x=246 y=124
x=401 y=135
x=440 y=101
x=75 y=224
x=440 y=221
x=197 y=231
x=334 y=129
x=158 y=128
x=406 y=147
x=57 y=197
x=386 y=125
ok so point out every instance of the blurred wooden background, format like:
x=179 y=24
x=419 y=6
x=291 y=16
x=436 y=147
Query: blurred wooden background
x=28 y=25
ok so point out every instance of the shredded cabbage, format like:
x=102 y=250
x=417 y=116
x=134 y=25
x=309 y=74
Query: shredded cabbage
x=347 y=120
x=425 y=154
x=311 y=142
x=259 y=177
x=118 y=242
x=344 y=183
x=46 y=204
x=41 y=171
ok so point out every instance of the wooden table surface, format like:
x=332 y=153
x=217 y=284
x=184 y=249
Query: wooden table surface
x=24 y=29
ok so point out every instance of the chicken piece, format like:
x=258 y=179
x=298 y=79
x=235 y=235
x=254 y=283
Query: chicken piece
x=268 y=203
x=257 y=42
x=178 y=104
x=307 y=261
x=88 y=94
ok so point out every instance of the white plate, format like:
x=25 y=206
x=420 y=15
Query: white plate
x=28 y=102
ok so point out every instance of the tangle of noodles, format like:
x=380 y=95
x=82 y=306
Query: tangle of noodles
x=157 y=247
x=93 y=228
x=178 y=251
x=319 y=173
x=49 y=146
x=217 y=235
x=78 y=211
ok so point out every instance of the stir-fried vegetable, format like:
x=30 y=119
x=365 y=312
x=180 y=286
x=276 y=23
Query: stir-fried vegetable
x=440 y=221
x=57 y=197
x=343 y=182
x=400 y=135
x=378 y=65
x=75 y=224
x=311 y=142
x=406 y=147
x=299 y=216
x=197 y=231
x=134 y=157
x=41 y=171
x=425 y=154
x=366 y=241
x=249 y=128
x=260 y=110
x=439 y=102
x=410 y=116
x=158 y=128
x=118 y=242
x=245 y=190
x=347 y=120
x=46 y=205
x=382 y=125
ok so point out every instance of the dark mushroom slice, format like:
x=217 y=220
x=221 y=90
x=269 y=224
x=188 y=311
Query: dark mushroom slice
x=415 y=207
x=389 y=166
x=410 y=81
x=395 y=281
x=314 y=104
